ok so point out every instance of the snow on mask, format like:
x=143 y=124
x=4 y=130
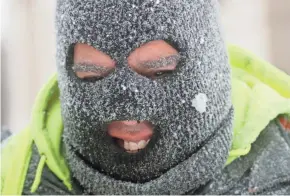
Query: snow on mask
x=190 y=109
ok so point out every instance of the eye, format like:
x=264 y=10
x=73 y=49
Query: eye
x=155 y=59
x=91 y=73
x=91 y=64
x=164 y=73
x=156 y=73
x=92 y=78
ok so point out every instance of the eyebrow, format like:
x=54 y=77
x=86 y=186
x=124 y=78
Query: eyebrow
x=82 y=67
x=162 y=62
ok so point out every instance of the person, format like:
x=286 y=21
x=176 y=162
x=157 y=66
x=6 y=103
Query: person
x=148 y=99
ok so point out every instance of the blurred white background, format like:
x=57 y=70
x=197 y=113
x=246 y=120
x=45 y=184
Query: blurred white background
x=28 y=45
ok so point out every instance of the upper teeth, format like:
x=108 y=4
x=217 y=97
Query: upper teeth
x=135 y=145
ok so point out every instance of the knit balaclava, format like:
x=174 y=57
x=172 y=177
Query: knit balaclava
x=190 y=109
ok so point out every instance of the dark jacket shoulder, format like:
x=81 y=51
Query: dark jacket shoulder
x=50 y=183
x=265 y=170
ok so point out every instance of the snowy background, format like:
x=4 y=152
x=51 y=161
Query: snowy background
x=28 y=45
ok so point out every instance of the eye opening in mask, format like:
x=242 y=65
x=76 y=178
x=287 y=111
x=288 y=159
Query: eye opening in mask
x=89 y=64
x=154 y=59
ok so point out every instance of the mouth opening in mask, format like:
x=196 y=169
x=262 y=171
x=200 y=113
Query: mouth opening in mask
x=131 y=136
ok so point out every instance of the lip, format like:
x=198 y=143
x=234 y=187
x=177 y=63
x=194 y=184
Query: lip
x=131 y=132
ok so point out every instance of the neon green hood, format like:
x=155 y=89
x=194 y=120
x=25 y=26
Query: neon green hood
x=260 y=92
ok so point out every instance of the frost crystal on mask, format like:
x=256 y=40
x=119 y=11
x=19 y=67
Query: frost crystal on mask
x=199 y=102
x=201 y=40
x=113 y=115
x=123 y=87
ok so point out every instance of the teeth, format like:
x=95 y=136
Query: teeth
x=142 y=144
x=126 y=145
x=135 y=146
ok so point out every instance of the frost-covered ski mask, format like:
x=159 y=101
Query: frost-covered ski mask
x=190 y=108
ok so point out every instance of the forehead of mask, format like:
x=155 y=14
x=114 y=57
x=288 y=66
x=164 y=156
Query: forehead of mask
x=118 y=27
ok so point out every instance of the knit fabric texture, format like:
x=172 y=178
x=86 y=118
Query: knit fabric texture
x=190 y=109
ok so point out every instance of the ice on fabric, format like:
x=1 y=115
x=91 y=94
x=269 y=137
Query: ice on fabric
x=199 y=102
